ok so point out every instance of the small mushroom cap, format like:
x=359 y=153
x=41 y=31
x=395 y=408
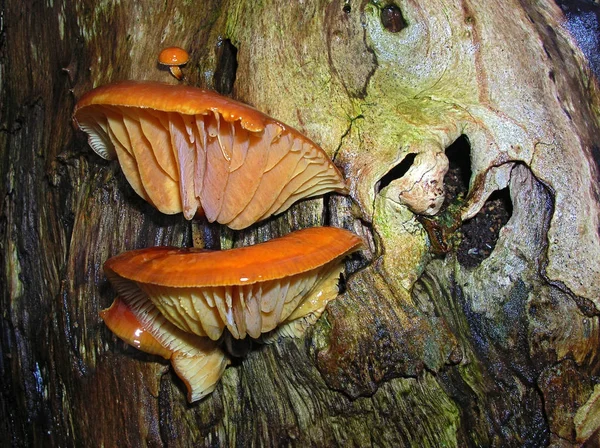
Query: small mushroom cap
x=173 y=56
x=189 y=150
x=249 y=290
x=295 y=253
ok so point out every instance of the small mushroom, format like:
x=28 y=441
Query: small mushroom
x=174 y=58
x=189 y=150
x=199 y=362
x=190 y=299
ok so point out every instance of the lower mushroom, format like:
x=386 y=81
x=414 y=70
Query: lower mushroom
x=198 y=361
x=179 y=303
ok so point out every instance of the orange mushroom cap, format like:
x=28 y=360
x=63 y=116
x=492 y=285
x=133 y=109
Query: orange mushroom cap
x=181 y=99
x=292 y=254
x=173 y=56
x=189 y=150
x=249 y=290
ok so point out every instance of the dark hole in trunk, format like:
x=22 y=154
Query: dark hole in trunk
x=396 y=173
x=457 y=178
x=224 y=76
x=392 y=19
x=480 y=234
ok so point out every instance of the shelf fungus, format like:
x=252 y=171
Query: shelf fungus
x=194 y=151
x=183 y=304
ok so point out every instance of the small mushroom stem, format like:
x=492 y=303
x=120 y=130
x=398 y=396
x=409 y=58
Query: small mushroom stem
x=206 y=235
x=237 y=348
x=198 y=237
x=176 y=72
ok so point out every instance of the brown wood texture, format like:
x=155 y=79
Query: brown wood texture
x=434 y=342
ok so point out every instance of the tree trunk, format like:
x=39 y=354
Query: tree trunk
x=476 y=325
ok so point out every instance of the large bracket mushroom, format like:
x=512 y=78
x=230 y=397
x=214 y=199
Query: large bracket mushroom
x=177 y=303
x=189 y=150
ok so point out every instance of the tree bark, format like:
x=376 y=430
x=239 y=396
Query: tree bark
x=475 y=327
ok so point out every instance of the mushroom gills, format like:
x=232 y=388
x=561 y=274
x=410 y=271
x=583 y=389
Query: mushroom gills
x=208 y=162
x=309 y=310
x=245 y=310
x=199 y=362
x=183 y=147
x=193 y=301
x=98 y=139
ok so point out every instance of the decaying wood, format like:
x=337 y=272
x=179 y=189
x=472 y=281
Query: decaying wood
x=420 y=349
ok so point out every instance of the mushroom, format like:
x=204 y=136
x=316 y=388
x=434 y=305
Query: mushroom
x=199 y=362
x=192 y=299
x=174 y=58
x=189 y=150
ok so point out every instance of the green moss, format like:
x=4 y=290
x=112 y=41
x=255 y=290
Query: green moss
x=406 y=248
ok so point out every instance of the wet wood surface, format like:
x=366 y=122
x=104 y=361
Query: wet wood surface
x=502 y=352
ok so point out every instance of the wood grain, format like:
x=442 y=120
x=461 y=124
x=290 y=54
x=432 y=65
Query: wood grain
x=418 y=350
